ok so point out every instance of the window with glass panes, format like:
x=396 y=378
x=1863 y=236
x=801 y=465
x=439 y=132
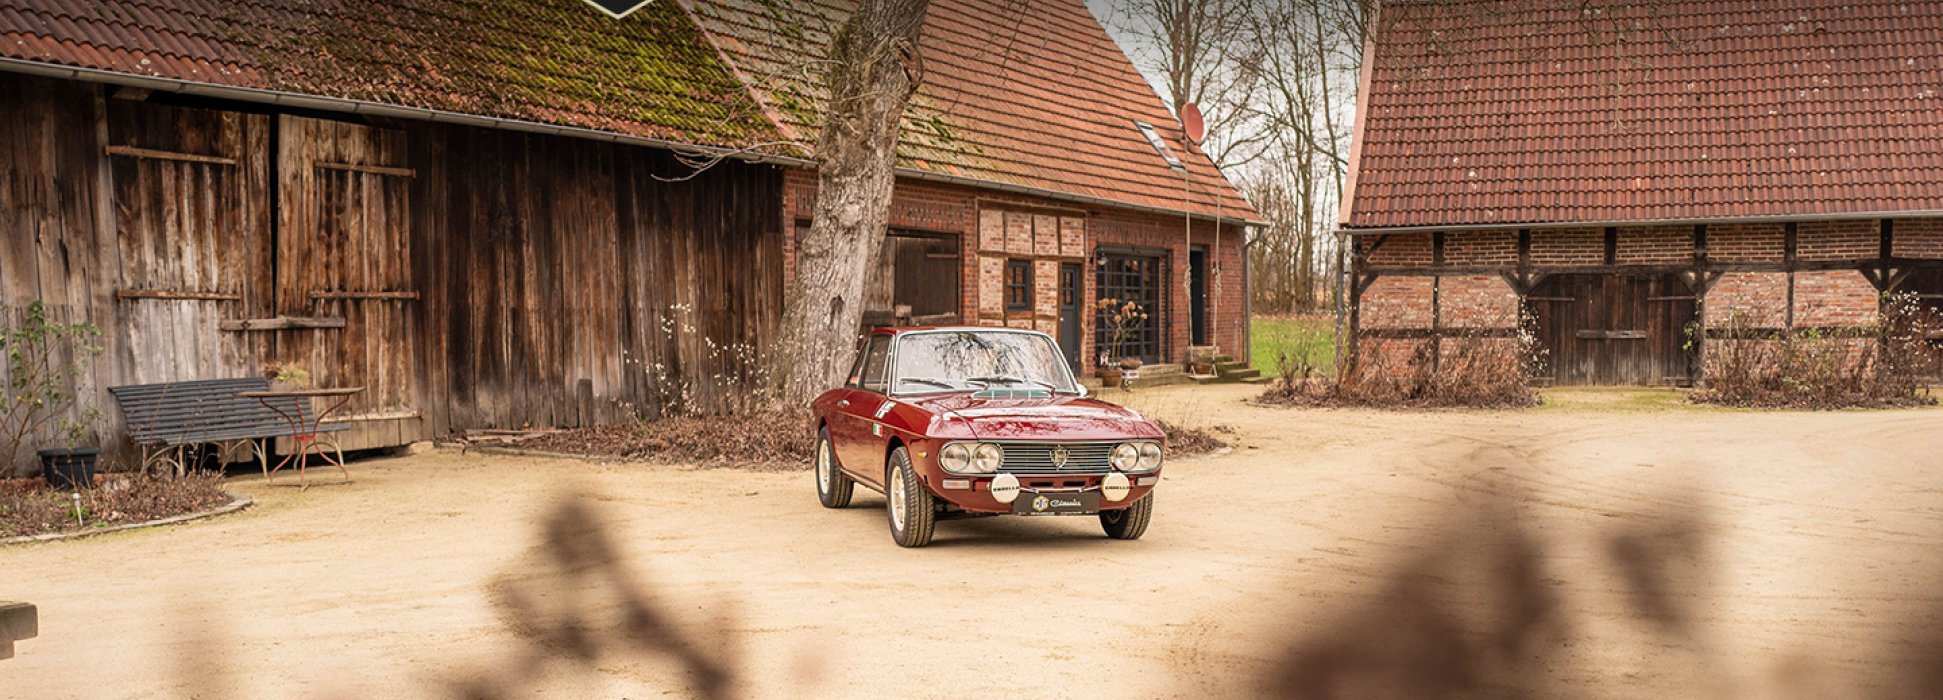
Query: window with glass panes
x=1124 y=277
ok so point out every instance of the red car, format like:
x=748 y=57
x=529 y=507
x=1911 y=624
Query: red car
x=967 y=422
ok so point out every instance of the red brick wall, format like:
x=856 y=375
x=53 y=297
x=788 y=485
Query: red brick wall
x=1653 y=245
x=1838 y=240
x=1568 y=246
x=1760 y=299
x=942 y=208
x=1400 y=250
x=1834 y=298
x=1481 y=248
x=1396 y=302
x=1476 y=301
x=1919 y=238
x=1733 y=243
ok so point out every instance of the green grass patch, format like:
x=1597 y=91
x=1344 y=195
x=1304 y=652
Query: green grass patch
x=1623 y=399
x=1312 y=337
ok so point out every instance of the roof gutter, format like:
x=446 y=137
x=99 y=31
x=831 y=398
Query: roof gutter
x=379 y=109
x=1775 y=219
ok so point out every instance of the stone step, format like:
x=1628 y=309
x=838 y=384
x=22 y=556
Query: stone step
x=1218 y=359
x=1240 y=374
x=1225 y=365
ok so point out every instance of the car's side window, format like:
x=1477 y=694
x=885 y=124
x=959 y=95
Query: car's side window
x=877 y=366
x=857 y=368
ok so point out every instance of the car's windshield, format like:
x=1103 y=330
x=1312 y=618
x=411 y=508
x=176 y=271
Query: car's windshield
x=939 y=361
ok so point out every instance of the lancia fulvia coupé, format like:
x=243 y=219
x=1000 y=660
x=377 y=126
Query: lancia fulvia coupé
x=966 y=422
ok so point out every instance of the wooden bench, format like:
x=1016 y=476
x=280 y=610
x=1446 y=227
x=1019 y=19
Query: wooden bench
x=168 y=418
x=17 y=621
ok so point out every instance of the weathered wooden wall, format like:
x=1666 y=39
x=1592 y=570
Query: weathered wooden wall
x=486 y=278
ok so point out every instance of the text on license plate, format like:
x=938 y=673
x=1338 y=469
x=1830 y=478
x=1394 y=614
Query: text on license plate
x=1084 y=503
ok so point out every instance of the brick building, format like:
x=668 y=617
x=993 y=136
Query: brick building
x=1625 y=176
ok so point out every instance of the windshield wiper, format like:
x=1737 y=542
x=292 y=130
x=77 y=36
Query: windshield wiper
x=928 y=380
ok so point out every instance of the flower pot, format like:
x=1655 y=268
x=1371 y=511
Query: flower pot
x=1109 y=377
x=69 y=470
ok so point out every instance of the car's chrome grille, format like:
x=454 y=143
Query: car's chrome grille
x=1038 y=456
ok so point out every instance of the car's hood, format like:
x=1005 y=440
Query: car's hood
x=1061 y=417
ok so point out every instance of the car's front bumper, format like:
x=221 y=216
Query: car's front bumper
x=973 y=494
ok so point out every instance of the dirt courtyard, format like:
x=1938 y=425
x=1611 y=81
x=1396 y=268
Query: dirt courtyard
x=1816 y=565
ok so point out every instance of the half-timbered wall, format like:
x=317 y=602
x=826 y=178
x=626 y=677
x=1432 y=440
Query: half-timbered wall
x=466 y=277
x=967 y=213
x=1632 y=305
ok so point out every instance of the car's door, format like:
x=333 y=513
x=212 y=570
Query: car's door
x=859 y=445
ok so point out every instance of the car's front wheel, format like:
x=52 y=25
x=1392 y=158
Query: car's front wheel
x=1128 y=523
x=833 y=487
x=912 y=510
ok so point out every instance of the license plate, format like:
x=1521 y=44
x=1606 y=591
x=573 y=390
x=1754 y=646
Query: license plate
x=1084 y=503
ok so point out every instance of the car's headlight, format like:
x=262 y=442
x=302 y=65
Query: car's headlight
x=1149 y=456
x=955 y=457
x=987 y=457
x=1125 y=457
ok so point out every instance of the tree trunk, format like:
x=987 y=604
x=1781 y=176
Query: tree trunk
x=874 y=69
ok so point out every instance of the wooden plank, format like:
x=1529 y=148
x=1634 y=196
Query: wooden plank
x=1612 y=335
x=368 y=169
x=398 y=295
x=177 y=295
x=282 y=323
x=155 y=154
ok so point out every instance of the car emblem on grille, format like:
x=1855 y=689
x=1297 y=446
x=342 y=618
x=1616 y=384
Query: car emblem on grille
x=1059 y=456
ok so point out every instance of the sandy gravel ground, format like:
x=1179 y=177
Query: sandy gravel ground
x=1818 y=562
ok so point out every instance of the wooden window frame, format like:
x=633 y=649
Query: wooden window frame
x=1018 y=290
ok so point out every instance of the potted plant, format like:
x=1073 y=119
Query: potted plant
x=71 y=468
x=43 y=360
x=287 y=376
x=1122 y=320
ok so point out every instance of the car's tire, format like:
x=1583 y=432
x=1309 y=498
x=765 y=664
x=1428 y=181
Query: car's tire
x=911 y=510
x=1128 y=523
x=833 y=487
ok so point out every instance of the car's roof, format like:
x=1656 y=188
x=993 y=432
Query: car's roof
x=900 y=330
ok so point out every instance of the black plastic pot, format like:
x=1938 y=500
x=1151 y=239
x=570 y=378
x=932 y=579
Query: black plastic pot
x=69 y=470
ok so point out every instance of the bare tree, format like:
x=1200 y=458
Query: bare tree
x=873 y=69
x=1196 y=52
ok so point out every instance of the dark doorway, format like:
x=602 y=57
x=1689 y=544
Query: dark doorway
x=1927 y=285
x=1127 y=276
x=1069 y=298
x=1197 y=295
x=915 y=270
x=1614 y=329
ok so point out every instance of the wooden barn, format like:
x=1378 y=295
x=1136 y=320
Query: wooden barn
x=492 y=213
x=1629 y=175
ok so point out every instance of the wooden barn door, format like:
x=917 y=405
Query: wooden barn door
x=344 y=251
x=192 y=223
x=1614 y=329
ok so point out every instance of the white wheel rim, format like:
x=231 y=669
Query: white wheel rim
x=897 y=501
x=823 y=465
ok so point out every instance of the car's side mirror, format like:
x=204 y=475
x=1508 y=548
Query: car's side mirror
x=1082 y=391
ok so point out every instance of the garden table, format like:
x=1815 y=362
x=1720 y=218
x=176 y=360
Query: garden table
x=304 y=433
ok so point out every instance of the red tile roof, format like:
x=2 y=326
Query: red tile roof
x=1033 y=94
x=1482 y=112
x=652 y=75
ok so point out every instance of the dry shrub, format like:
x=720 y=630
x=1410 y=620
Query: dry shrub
x=1888 y=364
x=771 y=439
x=120 y=499
x=1185 y=441
x=1473 y=370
